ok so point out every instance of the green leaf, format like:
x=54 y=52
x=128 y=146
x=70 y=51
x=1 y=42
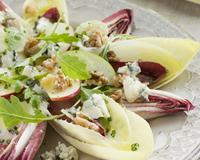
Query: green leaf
x=65 y=37
x=105 y=122
x=7 y=79
x=72 y=66
x=18 y=86
x=35 y=101
x=113 y=133
x=135 y=146
x=14 y=38
x=14 y=112
x=86 y=93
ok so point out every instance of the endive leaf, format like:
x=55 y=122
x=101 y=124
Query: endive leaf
x=173 y=53
x=140 y=132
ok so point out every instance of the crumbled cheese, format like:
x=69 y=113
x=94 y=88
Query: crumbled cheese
x=95 y=107
x=133 y=89
x=61 y=152
x=92 y=26
x=43 y=25
x=2 y=16
x=30 y=71
x=9 y=59
x=130 y=69
x=2 y=40
x=46 y=26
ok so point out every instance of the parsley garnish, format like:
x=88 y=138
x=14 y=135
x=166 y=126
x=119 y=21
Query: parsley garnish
x=135 y=146
x=113 y=133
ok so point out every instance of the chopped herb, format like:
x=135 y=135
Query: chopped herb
x=135 y=146
x=13 y=38
x=28 y=93
x=31 y=82
x=18 y=86
x=113 y=133
x=35 y=101
x=86 y=93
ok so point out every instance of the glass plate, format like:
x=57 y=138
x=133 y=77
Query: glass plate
x=177 y=137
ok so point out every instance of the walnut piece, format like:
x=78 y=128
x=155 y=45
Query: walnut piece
x=96 y=40
x=118 y=80
x=117 y=95
x=31 y=47
x=97 y=78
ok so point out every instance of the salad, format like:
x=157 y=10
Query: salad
x=96 y=84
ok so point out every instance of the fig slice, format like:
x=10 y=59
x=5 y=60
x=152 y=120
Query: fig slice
x=160 y=103
x=120 y=22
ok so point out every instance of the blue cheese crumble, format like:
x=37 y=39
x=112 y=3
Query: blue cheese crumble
x=133 y=88
x=61 y=152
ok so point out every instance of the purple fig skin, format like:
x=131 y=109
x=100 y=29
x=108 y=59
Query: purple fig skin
x=120 y=22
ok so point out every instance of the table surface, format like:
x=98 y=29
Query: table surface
x=184 y=14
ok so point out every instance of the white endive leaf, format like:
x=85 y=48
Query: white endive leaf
x=141 y=134
x=173 y=53
x=111 y=148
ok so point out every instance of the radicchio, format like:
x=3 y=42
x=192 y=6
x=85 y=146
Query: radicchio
x=52 y=14
x=32 y=144
x=151 y=72
x=2 y=6
x=160 y=103
x=120 y=22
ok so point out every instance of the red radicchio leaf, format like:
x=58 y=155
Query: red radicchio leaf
x=2 y=148
x=52 y=14
x=101 y=129
x=151 y=72
x=160 y=103
x=34 y=142
x=120 y=22
x=2 y=6
x=9 y=151
x=31 y=147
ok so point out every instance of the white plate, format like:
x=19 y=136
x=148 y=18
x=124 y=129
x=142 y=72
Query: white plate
x=176 y=136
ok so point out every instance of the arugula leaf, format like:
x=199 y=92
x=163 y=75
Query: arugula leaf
x=14 y=112
x=7 y=79
x=72 y=66
x=105 y=122
x=18 y=86
x=54 y=37
x=86 y=93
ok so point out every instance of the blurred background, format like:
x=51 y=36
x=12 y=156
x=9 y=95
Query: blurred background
x=184 y=14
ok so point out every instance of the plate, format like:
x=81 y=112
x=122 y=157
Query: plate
x=177 y=137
